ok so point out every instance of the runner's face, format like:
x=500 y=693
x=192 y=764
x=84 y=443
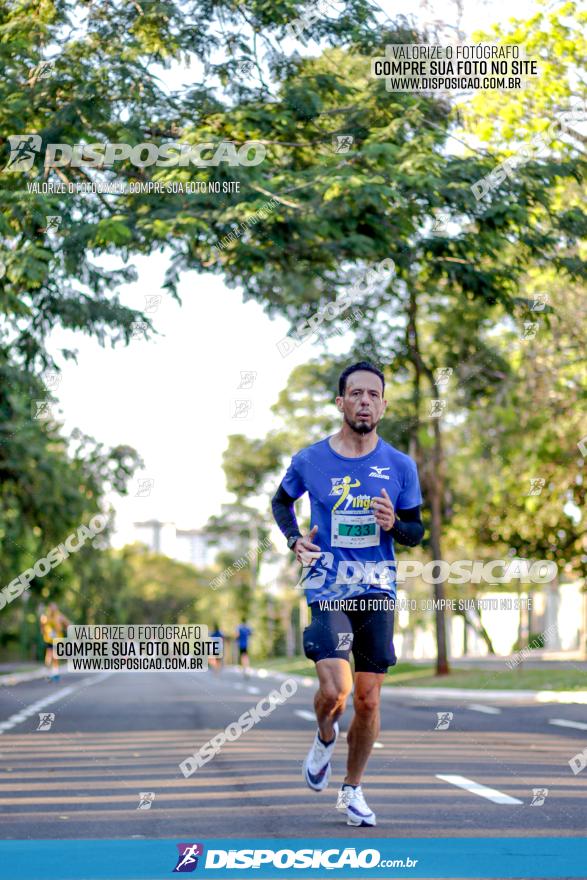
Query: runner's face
x=362 y=405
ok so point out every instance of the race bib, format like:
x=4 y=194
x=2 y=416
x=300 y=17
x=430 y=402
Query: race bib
x=350 y=530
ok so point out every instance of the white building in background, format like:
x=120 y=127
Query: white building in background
x=564 y=617
x=192 y=546
x=184 y=545
x=559 y=611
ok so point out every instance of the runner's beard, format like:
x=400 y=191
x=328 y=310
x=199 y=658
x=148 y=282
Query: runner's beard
x=360 y=427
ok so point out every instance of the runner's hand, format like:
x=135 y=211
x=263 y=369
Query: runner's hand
x=306 y=552
x=384 y=512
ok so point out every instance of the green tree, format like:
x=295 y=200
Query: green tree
x=103 y=61
x=50 y=487
x=158 y=589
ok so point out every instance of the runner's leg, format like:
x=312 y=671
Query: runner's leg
x=374 y=653
x=364 y=727
x=335 y=684
x=326 y=642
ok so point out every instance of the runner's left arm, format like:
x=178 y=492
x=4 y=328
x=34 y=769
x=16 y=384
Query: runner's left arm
x=408 y=528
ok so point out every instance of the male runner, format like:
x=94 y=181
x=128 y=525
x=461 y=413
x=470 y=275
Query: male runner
x=364 y=494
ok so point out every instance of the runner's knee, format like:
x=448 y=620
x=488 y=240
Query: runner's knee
x=367 y=703
x=333 y=697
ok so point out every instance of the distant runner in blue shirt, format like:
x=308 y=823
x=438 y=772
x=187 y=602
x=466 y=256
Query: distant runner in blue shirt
x=243 y=633
x=364 y=495
x=216 y=662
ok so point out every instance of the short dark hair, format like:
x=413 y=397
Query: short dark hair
x=354 y=368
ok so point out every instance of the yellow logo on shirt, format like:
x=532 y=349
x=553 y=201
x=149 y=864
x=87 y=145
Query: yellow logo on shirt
x=342 y=486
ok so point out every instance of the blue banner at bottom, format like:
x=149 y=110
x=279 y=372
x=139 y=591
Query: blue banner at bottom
x=533 y=858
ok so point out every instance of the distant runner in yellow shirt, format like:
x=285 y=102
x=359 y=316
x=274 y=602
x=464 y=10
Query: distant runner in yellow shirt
x=53 y=626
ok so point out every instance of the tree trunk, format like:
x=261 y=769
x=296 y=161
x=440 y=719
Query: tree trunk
x=254 y=552
x=442 y=667
x=288 y=624
x=477 y=626
x=432 y=473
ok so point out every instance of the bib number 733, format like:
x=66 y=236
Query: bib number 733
x=354 y=531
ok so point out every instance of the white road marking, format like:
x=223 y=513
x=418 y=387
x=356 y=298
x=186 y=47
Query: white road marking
x=253 y=690
x=25 y=713
x=303 y=713
x=33 y=708
x=492 y=794
x=562 y=722
x=561 y=696
x=488 y=710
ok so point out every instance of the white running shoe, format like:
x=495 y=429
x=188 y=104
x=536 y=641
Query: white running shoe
x=351 y=801
x=316 y=767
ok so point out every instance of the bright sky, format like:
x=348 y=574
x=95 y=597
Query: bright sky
x=173 y=399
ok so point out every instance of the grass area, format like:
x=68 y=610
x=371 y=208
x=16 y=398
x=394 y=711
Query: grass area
x=402 y=673
x=17 y=669
x=559 y=677
x=296 y=665
x=555 y=679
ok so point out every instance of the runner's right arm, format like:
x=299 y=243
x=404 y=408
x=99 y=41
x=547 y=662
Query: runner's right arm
x=304 y=548
x=282 y=506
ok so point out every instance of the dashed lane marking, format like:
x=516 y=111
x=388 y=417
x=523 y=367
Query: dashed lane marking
x=491 y=794
x=562 y=722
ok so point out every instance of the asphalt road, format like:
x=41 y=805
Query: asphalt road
x=120 y=734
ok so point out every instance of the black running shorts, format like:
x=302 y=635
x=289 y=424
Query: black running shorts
x=363 y=625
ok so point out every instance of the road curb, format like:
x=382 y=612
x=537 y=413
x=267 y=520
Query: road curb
x=16 y=677
x=493 y=696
